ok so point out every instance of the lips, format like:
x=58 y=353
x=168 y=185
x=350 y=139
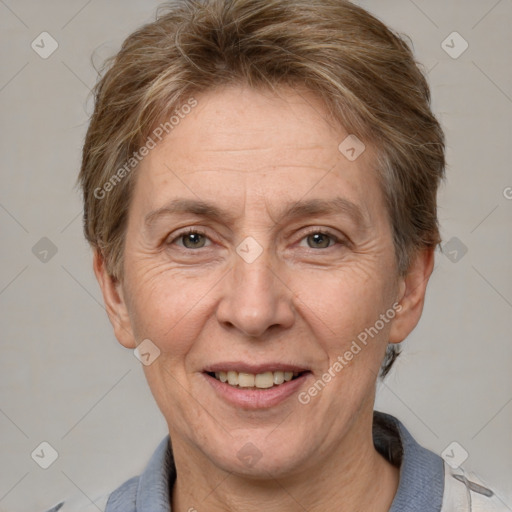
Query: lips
x=257 y=398
x=240 y=366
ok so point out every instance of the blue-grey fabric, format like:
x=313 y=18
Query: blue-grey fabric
x=420 y=489
x=421 y=484
x=149 y=492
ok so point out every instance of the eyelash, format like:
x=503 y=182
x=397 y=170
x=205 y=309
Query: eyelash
x=313 y=231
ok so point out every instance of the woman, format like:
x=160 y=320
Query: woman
x=259 y=181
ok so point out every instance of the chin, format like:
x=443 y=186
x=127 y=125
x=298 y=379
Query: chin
x=256 y=456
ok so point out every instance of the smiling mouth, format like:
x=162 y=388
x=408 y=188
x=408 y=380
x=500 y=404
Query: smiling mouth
x=263 y=380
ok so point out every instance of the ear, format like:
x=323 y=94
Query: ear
x=115 y=303
x=411 y=295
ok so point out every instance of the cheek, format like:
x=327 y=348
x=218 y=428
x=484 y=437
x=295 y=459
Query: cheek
x=341 y=305
x=168 y=305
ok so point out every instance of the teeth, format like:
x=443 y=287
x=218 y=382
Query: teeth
x=261 y=380
x=278 y=378
x=246 y=380
x=264 y=380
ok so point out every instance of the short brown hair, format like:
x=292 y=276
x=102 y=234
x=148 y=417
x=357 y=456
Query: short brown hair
x=365 y=74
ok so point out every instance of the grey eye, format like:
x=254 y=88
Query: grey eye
x=196 y=240
x=319 y=240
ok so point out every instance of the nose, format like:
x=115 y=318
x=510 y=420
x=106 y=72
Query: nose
x=255 y=297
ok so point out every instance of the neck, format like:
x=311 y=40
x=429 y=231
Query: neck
x=354 y=477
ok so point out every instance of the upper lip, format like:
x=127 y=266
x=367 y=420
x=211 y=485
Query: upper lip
x=239 y=366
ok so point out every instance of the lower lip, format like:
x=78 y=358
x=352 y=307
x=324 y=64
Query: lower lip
x=251 y=398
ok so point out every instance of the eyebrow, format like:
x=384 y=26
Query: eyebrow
x=299 y=209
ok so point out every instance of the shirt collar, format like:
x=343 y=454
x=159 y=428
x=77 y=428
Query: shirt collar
x=153 y=491
x=421 y=485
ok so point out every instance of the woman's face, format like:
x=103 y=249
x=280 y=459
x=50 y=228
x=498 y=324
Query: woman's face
x=288 y=265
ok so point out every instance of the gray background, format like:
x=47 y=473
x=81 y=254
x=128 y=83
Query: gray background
x=67 y=381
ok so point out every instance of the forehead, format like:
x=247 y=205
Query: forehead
x=258 y=143
x=238 y=121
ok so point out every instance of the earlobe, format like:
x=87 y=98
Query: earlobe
x=115 y=303
x=411 y=295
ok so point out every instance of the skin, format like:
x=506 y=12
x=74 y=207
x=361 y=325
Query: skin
x=302 y=301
